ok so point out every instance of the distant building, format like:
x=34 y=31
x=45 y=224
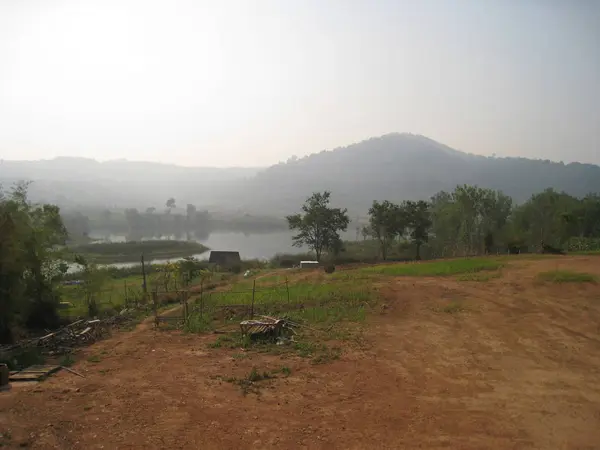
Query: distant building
x=225 y=259
x=309 y=264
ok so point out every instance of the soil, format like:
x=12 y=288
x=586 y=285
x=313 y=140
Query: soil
x=510 y=363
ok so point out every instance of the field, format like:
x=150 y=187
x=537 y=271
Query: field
x=490 y=353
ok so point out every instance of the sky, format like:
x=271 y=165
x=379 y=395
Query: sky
x=251 y=83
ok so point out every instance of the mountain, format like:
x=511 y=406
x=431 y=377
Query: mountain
x=406 y=167
x=81 y=182
x=394 y=167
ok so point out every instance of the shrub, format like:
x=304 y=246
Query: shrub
x=329 y=268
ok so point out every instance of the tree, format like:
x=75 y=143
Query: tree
x=190 y=213
x=170 y=205
x=93 y=281
x=30 y=265
x=77 y=225
x=319 y=225
x=418 y=222
x=385 y=223
x=135 y=223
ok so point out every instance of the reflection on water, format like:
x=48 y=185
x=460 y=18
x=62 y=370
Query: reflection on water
x=250 y=246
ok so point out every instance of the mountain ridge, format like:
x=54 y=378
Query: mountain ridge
x=395 y=166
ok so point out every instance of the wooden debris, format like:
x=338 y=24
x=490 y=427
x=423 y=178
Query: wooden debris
x=64 y=340
x=34 y=373
x=72 y=371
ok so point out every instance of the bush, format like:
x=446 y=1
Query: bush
x=329 y=268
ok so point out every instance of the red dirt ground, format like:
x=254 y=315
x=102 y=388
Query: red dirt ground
x=516 y=365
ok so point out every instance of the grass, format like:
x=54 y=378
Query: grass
x=435 y=268
x=452 y=308
x=118 y=252
x=114 y=295
x=567 y=276
x=479 y=276
x=249 y=383
x=118 y=292
x=321 y=304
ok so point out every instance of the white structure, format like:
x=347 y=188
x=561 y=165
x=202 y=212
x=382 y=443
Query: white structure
x=309 y=264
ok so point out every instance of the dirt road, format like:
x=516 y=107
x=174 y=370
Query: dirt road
x=510 y=363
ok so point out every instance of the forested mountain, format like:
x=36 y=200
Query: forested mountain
x=394 y=167
x=408 y=167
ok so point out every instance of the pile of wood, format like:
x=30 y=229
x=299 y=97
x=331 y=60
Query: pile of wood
x=64 y=340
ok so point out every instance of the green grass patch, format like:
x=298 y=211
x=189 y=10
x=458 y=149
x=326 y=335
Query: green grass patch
x=197 y=324
x=482 y=276
x=114 y=295
x=434 y=268
x=94 y=359
x=567 y=276
x=311 y=301
x=115 y=252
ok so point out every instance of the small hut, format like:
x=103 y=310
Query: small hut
x=225 y=259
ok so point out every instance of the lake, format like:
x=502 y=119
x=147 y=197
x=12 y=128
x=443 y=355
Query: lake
x=250 y=246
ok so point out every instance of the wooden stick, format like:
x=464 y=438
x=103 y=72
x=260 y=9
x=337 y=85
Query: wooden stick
x=72 y=371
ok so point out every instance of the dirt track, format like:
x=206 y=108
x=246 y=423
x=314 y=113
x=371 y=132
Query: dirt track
x=516 y=366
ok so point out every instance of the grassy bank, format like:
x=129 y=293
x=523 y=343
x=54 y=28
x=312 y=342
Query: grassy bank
x=122 y=252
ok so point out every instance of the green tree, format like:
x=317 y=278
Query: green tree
x=319 y=225
x=93 y=282
x=549 y=217
x=469 y=220
x=30 y=264
x=385 y=223
x=418 y=222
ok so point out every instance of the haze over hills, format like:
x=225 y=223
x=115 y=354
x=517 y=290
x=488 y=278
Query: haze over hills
x=394 y=167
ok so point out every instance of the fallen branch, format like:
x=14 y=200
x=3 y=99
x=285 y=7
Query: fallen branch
x=72 y=371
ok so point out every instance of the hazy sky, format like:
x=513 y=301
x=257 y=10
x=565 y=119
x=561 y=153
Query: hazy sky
x=240 y=82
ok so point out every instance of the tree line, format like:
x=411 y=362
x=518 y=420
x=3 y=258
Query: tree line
x=467 y=221
x=153 y=222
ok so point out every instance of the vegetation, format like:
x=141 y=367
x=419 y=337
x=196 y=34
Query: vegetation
x=93 y=280
x=435 y=268
x=466 y=222
x=111 y=252
x=319 y=225
x=567 y=276
x=386 y=222
x=29 y=264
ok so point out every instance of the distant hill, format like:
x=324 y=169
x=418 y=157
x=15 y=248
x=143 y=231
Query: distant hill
x=403 y=167
x=82 y=182
x=393 y=167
